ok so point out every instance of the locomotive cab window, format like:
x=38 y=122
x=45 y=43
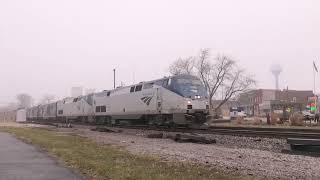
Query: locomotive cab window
x=132 y=89
x=108 y=94
x=138 y=88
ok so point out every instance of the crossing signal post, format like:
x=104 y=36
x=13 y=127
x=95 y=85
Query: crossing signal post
x=313 y=107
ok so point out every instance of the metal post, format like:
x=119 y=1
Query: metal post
x=314 y=90
x=114 y=78
x=314 y=80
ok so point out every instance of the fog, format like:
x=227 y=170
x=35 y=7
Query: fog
x=47 y=47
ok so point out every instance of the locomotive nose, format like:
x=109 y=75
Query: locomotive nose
x=197 y=104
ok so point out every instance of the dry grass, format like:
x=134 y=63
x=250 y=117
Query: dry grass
x=256 y=121
x=297 y=119
x=274 y=119
x=105 y=162
x=239 y=120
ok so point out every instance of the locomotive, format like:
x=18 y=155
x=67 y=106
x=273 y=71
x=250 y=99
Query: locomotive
x=171 y=101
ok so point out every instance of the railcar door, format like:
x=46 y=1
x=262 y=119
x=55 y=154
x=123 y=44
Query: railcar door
x=159 y=100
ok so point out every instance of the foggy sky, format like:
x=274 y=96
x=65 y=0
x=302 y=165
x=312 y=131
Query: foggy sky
x=49 y=46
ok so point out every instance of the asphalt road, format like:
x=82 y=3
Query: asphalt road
x=21 y=161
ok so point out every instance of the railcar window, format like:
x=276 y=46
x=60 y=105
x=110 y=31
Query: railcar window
x=132 y=89
x=138 y=88
x=103 y=109
x=159 y=83
x=165 y=83
x=90 y=100
x=148 y=86
x=98 y=109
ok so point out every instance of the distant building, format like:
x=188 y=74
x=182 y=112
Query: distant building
x=76 y=91
x=7 y=116
x=262 y=101
x=89 y=91
x=224 y=110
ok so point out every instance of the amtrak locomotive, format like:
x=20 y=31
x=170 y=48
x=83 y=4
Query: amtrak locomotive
x=171 y=101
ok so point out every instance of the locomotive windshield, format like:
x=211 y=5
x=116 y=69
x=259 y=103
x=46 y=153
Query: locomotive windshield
x=188 y=86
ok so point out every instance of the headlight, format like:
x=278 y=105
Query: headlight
x=189 y=102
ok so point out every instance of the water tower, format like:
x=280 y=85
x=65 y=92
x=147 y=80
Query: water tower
x=276 y=70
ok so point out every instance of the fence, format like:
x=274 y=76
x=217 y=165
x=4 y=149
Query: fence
x=9 y=116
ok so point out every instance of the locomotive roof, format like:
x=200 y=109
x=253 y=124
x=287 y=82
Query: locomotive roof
x=184 y=76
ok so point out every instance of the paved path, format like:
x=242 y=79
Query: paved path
x=20 y=161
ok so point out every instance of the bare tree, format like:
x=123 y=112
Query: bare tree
x=217 y=73
x=48 y=98
x=213 y=73
x=237 y=82
x=24 y=100
x=182 y=66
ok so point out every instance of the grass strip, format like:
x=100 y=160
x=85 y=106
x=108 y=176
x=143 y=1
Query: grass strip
x=105 y=162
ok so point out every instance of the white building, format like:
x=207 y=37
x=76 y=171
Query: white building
x=89 y=91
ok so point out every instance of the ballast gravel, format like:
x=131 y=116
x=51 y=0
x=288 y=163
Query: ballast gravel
x=259 y=158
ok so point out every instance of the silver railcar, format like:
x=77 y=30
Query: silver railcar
x=176 y=100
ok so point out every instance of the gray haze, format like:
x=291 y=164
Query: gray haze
x=49 y=46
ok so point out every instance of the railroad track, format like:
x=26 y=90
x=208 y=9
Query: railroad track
x=241 y=131
x=234 y=131
x=269 y=132
x=245 y=131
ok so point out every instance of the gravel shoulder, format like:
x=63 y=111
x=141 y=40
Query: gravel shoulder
x=259 y=158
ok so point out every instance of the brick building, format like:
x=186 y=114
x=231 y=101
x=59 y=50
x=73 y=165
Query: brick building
x=261 y=101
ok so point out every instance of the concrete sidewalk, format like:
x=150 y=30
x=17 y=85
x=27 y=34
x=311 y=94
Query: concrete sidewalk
x=20 y=161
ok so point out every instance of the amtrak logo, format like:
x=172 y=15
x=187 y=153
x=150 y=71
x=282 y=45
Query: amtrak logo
x=147 y=99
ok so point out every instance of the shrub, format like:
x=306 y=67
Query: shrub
x=296 y=119
x=274 y=118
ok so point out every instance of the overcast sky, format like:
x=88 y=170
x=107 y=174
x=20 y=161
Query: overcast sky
x=48 y=46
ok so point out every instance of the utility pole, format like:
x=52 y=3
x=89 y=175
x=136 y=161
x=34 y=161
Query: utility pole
x=315 y=70
x=114 y=78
